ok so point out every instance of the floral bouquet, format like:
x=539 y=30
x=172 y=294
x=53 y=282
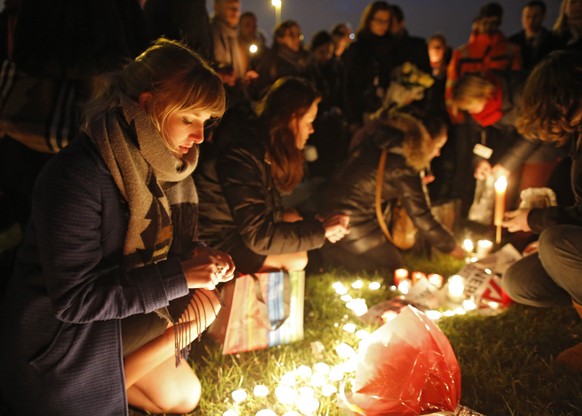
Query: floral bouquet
x=408 y=84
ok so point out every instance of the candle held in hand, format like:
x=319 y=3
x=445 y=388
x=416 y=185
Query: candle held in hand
x=500 y=190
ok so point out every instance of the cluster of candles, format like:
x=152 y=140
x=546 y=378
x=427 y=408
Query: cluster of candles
x=298 y=389
x=478 y=251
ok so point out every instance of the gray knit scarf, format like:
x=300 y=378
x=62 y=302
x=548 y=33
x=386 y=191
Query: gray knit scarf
x=158 y=189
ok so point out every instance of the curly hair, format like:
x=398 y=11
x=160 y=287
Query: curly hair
x=552 y=98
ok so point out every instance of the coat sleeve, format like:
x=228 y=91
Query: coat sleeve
x=415 y=202
x=84 y=283
x=247 y=189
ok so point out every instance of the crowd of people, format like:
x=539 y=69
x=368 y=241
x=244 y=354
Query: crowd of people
x=193 y=152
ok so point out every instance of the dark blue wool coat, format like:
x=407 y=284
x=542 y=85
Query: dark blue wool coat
x=60 y=320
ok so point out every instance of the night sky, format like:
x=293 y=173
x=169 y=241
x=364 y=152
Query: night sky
x=424 y=17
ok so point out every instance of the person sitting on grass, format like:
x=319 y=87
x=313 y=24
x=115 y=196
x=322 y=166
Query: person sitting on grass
x=111 y=285
x=552 y=276
x=257 y=161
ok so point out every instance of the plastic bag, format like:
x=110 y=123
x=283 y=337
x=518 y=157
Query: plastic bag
x=406 y=367
x=481 y=210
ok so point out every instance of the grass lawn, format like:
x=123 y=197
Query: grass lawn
x=506 y=360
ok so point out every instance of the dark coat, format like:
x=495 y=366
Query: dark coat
x=353 y=192
x=532 y=54
x=539 y=219
x=60 y=321
x=239 y=200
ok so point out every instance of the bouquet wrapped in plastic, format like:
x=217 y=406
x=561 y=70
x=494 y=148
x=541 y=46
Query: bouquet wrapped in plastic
x=406 y=367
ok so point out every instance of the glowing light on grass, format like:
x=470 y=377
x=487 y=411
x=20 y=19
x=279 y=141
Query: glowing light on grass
x=346 y=297
x=285 y=394
x=261 y=390
x=336 y=373
x=305 y=392
x=350 y=327
x=434 y=315
x=448 y=314
x=318 y=380
x=328 y=390
x=231 y=412
x=321 y=368
x=344 y=350
x=456 y=286
x=374 y=285
x=289 y=379
x=389 y=315
x=239 y=395
x=291 y=413
x=304 y=372
x=469 y=304
x=357 y=306
x=460 y=311
x=339 y=288
x=308 y=405
x=362 y=334
x=358 y=284
x=266 y=412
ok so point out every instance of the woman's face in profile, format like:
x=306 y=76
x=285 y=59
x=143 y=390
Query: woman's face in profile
x=437 y=144
x=302 y=126
x=185 y=129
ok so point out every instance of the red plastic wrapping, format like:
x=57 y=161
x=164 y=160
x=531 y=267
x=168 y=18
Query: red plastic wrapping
x=407 y=368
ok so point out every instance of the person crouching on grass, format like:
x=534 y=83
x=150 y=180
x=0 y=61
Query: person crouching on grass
x=111 y=285
x=552 y=276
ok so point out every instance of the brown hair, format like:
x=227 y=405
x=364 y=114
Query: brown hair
x=470 y=87
x=552 y=98
x=368 y=15
x=287 y=98
x=177 y=78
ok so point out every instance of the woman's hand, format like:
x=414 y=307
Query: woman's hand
x=207 y=268
x=336 y=227
x=516 y=220
x=482 y=170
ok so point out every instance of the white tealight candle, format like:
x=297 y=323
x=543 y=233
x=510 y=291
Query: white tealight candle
x=456 y=286
x=436 y=280
x=350 y=327
x=400 y=275
x=468 y=245
x=239 y=395
x=321 y=368
x=261 y=390
x=404 y=286
x=358 y=284
x=266 y=412
x=374 y=286
x=328 y=390
x=230 y=412
x=344 y=350
x=304 y=371
x=308 y=405
x=285 y=394
x=484 y=247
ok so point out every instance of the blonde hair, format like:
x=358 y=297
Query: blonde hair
x=469 y=88
x=177 y=78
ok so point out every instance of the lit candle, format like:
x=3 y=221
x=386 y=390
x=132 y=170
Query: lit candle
x=400 y=275
x=404 y=286
x=456 y=286
x=239 y=395
x=436 y=280
x=416 y=276
x=484 y=247
x=374 y=286
x=253 y=48
x=261 y=390
x=266 y=412
x=468 y=246
x=500 y=189
x=358 y=284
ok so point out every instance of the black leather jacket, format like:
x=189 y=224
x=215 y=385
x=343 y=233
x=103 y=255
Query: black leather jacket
x=237 y=196
x=353 y=191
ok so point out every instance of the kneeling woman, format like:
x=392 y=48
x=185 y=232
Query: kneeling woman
x=110 y=286
x=411 y=145
x=240 y=189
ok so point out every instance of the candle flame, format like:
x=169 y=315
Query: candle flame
x=501 y=184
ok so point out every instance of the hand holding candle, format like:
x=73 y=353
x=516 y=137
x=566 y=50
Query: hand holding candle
x=500 y=191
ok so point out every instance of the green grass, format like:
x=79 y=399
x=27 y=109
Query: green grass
x=506 y=360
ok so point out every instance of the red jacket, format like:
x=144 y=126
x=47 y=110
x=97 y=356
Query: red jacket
x=483 y=52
